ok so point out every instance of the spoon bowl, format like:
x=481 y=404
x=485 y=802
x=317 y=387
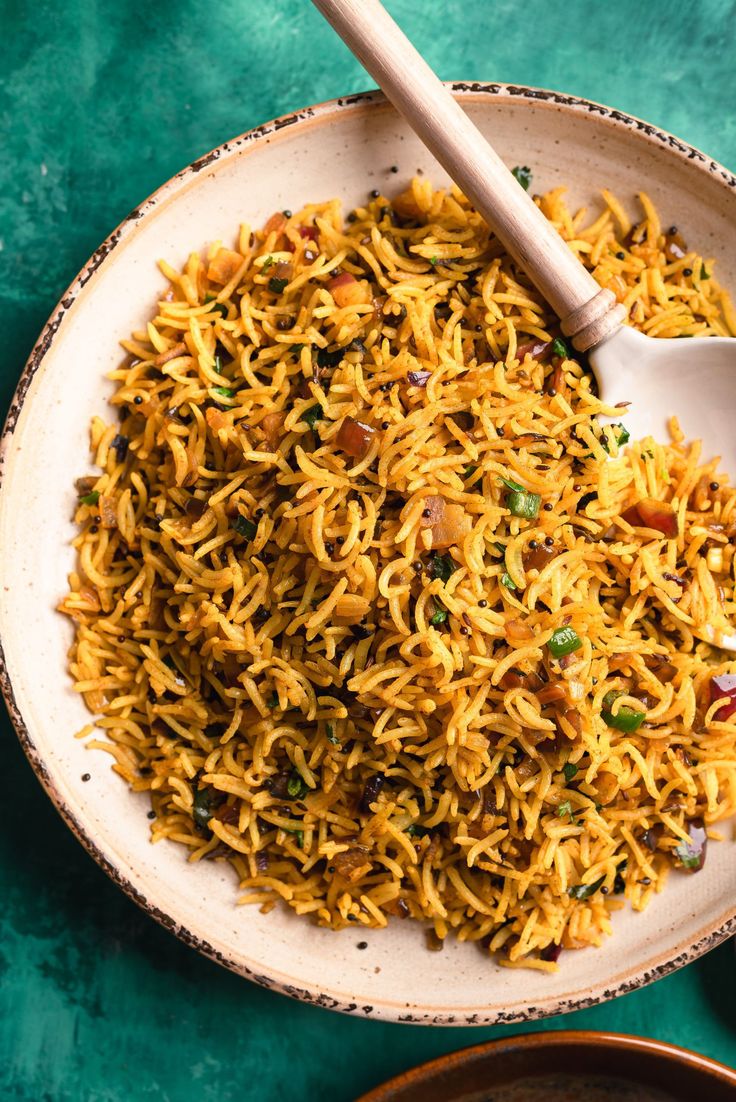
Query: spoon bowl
x=693 y=380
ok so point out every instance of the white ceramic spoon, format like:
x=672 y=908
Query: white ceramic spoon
x=694 y=379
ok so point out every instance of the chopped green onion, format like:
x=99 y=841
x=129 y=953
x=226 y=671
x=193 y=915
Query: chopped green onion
x=569 y=770
x=298 y=834
x=564 y=641
x=523 y=175
x=523 y=504
x=560 y=349
x=625 y=719
x=225 y=391
x=689 y=860
x=584 y=891
x=277 y=285
x=507 y=581
x=331 y=736
x=245 y=527
x=91 y=498
x=296 y=786
x=311 y=416
x=439 y=617
x=442 y=567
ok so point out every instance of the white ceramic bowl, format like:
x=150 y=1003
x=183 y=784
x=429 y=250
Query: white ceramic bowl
x=343 y=148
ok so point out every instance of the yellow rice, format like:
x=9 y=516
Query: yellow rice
x=264 y=677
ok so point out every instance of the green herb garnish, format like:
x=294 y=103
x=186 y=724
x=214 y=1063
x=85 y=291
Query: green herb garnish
x=434 y=260
x=225 y=391
x=439 y=617
x=507 y=581
x=523 y=504
x=330 y=359
x=416 y=830
x=442 y=567
x=511 y=485
x=206 y=800
x=626 y=719
x=273 y=700
x=219 y=307
x=560 y=349
x=564 y=641
x=331 y=736
x=565 y=808
x=584 y=891
x=298 y=834
x=276 y=284
x=620 y=434
x=91 y=498
x=244 y=527
x=703 y=272
x=470 y=470
x=569 y=770
x=523 y=175
x=267 y=263
x=311 y=416
x=296 y=786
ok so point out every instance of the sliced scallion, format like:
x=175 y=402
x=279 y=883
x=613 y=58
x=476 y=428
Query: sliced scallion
x=523 y=503
x=626 y=719
x=564 y=641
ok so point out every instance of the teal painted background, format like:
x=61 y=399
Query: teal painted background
x=100 y=103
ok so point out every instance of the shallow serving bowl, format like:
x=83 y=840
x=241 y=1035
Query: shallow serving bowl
x=632 y=1068
x=343 y=148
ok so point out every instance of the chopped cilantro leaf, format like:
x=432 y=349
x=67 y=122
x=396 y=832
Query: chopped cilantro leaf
x=245 y=528
x=584 y=891
x=442 y=567
x=523 y=175
x=560 y=349
x=312 y=415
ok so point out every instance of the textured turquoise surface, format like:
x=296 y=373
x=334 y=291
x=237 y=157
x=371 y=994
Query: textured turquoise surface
x=100 y=103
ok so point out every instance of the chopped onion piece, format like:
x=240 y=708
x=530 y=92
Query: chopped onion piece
x=449 y=522
x=354 y=437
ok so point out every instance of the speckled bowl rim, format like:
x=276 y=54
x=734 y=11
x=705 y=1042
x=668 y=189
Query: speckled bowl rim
x=445 y=1066
x=711 y=935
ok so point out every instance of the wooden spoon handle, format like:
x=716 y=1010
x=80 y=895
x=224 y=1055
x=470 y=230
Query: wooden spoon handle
x=588 y=313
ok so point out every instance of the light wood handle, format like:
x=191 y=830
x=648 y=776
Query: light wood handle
x=588 y=314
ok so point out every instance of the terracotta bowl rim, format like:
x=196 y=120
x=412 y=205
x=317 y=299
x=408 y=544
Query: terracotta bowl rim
x=423 y=1074
x=660 y=964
